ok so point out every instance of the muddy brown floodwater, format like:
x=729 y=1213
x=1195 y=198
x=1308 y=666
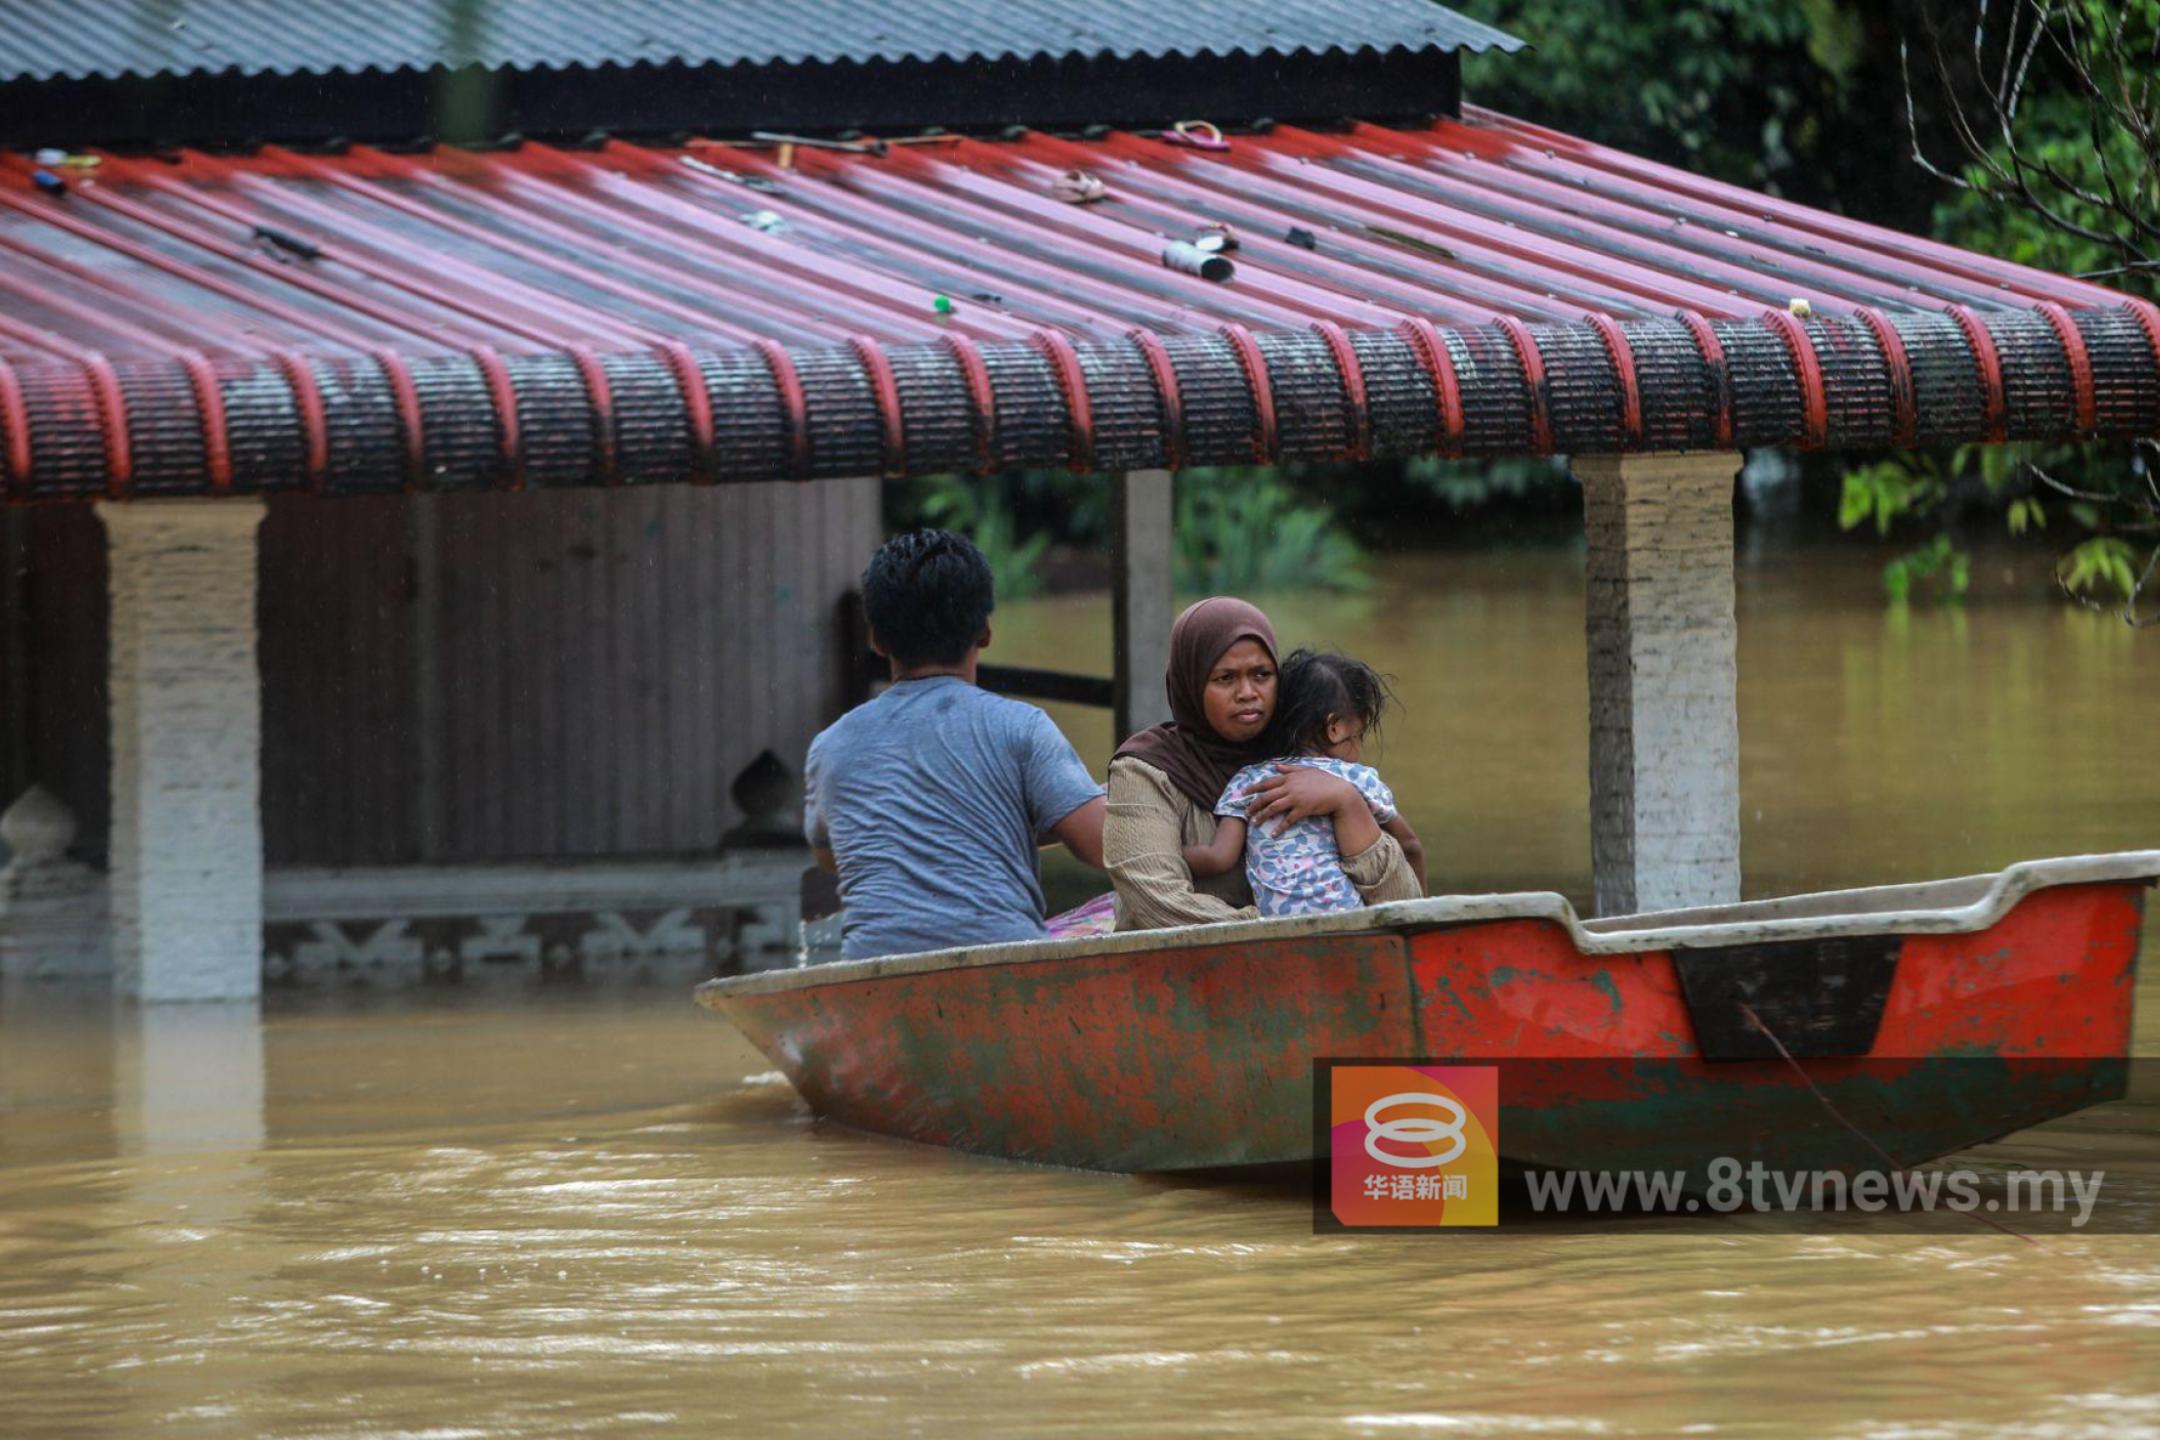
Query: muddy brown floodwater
x=597 y=1213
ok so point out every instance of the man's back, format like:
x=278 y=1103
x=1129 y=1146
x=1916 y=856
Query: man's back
x=933 y=798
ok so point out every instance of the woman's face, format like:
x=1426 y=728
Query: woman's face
x=1240 y=696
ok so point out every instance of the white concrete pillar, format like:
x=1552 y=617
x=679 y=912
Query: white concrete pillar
x=1143 y=599
x=186 y=697
x=1664 y=719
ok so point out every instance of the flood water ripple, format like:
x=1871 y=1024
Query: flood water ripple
x=349 y=1218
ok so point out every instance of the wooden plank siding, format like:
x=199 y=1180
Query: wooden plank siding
x=605 y=664
x=334 y=642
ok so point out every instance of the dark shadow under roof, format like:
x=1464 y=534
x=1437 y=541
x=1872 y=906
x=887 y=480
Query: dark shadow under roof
x=40 y=40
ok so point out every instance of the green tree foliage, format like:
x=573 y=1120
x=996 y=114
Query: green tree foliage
x=2058 y=134
x=986 y=514
x=2055 y=128
x=2024 y=128
x=1468 y=484
x=1764 y=93
x=1246 y=531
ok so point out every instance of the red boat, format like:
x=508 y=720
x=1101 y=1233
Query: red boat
x=1683 y=1033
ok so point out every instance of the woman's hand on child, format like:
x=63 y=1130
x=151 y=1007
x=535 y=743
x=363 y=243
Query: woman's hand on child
x=1299 y=792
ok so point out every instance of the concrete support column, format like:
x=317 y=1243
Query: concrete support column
x=186 y=696
x=1142 y=596
x=1664 y=719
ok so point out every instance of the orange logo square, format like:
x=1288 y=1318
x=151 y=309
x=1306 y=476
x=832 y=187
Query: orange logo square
x=1414 y=1144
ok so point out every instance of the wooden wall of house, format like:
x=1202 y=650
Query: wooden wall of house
x=482 y=677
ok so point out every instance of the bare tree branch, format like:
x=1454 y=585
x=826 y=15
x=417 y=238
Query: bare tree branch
x=2096 y=497
x=2130 y=601
x=2032 y=48
x=2031 y=60
x=2009 y=173
x=2131 y=268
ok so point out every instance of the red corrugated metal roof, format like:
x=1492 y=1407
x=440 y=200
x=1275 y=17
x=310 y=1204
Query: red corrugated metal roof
x=217 y=261
x=544 y=247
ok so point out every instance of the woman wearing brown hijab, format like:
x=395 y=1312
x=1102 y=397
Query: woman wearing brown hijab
x=1165 y=780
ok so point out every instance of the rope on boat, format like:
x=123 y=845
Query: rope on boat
x=1866 y=1139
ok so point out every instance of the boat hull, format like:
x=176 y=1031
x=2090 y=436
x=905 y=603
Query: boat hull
x=1199 y=1051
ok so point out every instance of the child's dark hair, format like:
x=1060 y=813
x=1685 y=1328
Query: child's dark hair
x=928 y=595
x=1316 y=687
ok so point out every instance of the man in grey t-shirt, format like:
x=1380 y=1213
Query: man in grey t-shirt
x=931 y=800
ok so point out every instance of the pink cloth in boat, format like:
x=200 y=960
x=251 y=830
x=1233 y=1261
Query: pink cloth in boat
x=1097 y=917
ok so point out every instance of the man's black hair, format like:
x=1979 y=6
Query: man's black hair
x=1315 y=687
x=928 y=595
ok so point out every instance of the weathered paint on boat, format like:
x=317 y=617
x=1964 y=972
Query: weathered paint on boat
x=1195 y=1048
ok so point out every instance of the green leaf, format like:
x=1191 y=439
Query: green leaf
x=1856 y=501
x=2102 y=567
x=1246 y=530
x=981 y=508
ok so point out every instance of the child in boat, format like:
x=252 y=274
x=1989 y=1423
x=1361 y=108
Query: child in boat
x=1328 y=705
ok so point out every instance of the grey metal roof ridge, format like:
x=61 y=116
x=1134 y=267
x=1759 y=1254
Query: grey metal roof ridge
x=776 y=62
x=221 y=44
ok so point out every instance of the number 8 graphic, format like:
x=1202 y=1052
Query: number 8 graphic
x=1414 y=1130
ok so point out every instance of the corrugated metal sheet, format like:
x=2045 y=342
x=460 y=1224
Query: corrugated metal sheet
x=599 y=668
x=719 y=246
x=340 y=778
x=42 y=40
x=285 y=320
x=608 y=664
